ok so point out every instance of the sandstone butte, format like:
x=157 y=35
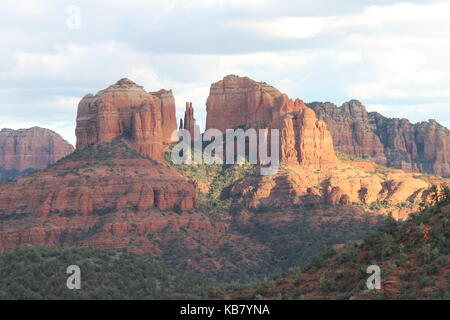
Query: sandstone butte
x=112 y=186
x=126 y=109
x=35 y=148
x=311 y=171
x=421 y=147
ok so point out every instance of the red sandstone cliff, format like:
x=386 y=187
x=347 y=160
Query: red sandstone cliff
x=107 y=175
x=421 y=147
x=168 y=113
x=312 y=172
x=235 y=101
x=242 y=102
x=126 y=109
x=34 y=148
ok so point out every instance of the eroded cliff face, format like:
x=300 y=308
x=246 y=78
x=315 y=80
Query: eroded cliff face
x=34 y=148
x=85 y=198
x=242 y=102
x=348 y=183
x=126 y=109
x=312 y=173
x=352 y=130
x=422 y=147
x=168 y=113
x=236 y=101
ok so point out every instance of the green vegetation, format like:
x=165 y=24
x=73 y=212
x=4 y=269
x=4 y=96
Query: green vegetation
x=117 y=149
x=413 y=255
x=40 y=273
x=218 y=178
x=11 y=175
x=349 y=158
x=299 y=233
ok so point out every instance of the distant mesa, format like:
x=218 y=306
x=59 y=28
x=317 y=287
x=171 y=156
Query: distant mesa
x=29 y=149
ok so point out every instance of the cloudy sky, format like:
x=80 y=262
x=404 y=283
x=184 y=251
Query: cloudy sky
x=393 y=56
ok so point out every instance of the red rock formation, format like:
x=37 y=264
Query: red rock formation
x=34 y=148
x=168 y=113
x=312 y=172
x=345 y=184
x=237 y=101
x=242 y=102
x=99 y=185
x=189 y=122
x=421 y=147
x=126 y=109
x=304 y=139
x=352 y=130
x=105 y=179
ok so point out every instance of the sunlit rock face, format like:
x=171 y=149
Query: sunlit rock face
x=125 y=109
x=242 y=102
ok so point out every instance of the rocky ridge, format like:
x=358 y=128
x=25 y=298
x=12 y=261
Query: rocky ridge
x=312 y=171
x=421 y=147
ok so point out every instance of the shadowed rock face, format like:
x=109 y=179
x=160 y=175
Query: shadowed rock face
x=34 y=148
x=126 y=109
x=421 y=147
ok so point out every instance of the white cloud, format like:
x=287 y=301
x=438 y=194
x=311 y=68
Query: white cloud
x=372 y=17
x=415 y=112
x=13 y=123
x=446 y=124
x=394 y=57
x=25 y=8
x=284 y=27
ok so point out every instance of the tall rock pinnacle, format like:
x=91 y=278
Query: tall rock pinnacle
x=189 y=122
